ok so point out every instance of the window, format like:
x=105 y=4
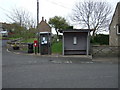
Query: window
x=74 y=40
x=118 y=29
x=44 y=40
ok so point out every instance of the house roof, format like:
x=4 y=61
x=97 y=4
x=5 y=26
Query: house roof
x=75 y=30
x=44 y=26
x=118 y=4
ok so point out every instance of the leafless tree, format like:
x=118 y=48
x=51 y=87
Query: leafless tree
x=92 y=15
x=22 y=17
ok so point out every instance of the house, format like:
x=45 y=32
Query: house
x=76 y=41
x=114 y=37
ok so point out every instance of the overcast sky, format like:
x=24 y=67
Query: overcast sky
x=48 y=8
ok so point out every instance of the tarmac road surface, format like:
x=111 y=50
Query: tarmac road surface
x=27 y=71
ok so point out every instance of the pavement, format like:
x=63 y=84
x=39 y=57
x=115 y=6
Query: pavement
x=80 y=58
x=10 y=49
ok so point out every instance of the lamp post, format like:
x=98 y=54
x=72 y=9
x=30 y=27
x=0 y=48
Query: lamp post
x=38 y=23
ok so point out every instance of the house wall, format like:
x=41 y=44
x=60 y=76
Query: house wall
x=1 y=27
x=113 y=37
x=80 y=47
x=119 y=23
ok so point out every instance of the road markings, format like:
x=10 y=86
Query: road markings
x=12 y=52
x=8 y=50
x=87 y=62
x=16 y=52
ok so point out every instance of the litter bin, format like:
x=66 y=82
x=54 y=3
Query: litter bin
x=30 y=48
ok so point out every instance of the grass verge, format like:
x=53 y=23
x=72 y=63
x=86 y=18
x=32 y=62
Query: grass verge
x=30 y=40
x=57 y=47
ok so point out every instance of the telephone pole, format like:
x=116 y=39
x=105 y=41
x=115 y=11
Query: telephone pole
x=38 y=24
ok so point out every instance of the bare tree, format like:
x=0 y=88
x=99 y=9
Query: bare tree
x=93 y=15
x=22 y=17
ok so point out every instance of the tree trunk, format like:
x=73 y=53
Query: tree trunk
x=57 y=35
x=56 y=32
x=93 y=32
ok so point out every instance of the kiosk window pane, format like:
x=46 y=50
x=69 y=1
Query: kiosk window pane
x=75 y=40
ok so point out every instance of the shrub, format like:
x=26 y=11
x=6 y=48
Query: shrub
x=100 y=39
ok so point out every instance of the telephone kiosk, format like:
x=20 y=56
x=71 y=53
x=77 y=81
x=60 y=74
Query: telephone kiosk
x=45 y=43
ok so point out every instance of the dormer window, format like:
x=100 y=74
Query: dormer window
x=118 y=29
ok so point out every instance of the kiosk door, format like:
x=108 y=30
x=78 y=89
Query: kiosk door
x=45 y=43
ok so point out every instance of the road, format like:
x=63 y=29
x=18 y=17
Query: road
x=27 y=71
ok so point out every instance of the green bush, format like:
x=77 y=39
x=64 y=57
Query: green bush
x=100 y=39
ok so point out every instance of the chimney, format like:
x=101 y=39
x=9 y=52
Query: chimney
x=42 y=18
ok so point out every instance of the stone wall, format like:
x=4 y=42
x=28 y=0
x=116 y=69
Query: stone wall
x=105 y=51
x=23 y=46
